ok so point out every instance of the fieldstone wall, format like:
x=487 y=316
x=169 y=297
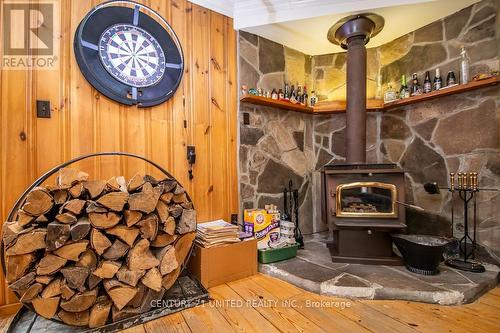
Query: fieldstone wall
x=428 y=140
x=431 y=139
x=436 y=45
x=277 y=145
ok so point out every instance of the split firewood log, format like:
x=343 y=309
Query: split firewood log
x=46 y=307
x=74 y=206
x=100 y=312
x=126 y=234
x=57 y=235
x=38 y=202
x=52 y=289
x=87 y=252
x=99 y=241
x=94 y=187
x=104 y=220
x=31 y=292
x=152 y=279
x=80 y=302
x=72 y=251
x=75 y=318
x=87 y=259
x=132 y=217
x=116 y=251
x=114 y=201
x=18 y=266
x=107 y=269
x=140 y=257
x=129 y=277
x=28 y=242
x=50 y=264
x=80 y=229
x=119 y=293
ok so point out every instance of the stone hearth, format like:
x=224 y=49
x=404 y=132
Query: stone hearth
x=314 y=270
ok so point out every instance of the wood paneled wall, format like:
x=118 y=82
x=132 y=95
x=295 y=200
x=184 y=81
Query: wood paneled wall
x=84 y=121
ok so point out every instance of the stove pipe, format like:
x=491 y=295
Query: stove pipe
x=352 y=33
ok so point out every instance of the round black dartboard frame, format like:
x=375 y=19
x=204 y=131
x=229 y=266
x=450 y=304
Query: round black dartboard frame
x=123 y=12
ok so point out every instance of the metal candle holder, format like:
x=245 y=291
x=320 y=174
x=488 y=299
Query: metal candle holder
x=467 y=188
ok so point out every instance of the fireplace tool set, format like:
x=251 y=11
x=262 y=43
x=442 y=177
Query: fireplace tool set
x=291 y=211
x=467 y=189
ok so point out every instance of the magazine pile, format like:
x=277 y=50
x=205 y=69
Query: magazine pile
x=216 y=233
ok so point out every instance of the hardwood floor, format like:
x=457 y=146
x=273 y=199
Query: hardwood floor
x=263 y=304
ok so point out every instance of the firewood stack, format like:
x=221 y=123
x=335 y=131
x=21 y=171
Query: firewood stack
x=88 y=252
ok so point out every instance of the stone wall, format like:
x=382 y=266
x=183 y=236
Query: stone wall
x=436 y=45
x=431 y=139
x=428 y=140
x=277 y=145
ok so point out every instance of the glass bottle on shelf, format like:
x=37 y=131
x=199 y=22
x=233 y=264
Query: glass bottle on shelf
x=281 y=95
x=305 y=98
x=274 y=94
x=427 y=83
x=312 y=99
x=404 y=92
x=287 y=92
x=464 y=66
x=438 y=82
x=415 y=86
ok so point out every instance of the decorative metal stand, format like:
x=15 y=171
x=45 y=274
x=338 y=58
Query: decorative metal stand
x=467 y=189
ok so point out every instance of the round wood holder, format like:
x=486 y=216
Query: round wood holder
x=169 y=272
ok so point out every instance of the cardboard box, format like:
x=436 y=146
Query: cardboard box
x=226 y=263
x=264 y=225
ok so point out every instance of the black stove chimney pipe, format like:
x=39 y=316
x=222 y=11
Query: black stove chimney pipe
x=352 y=33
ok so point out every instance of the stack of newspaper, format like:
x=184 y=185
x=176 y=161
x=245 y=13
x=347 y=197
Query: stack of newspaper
x=215 y=233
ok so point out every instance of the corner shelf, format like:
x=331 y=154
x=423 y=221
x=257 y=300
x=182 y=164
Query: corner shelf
x=252 y=99
x=461 y=88
x=372 y=105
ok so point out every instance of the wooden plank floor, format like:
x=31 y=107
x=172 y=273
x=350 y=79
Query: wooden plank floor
x=263 y=304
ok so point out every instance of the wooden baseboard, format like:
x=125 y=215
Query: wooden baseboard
x=9 y=309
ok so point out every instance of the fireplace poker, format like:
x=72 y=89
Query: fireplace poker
x=467 y=188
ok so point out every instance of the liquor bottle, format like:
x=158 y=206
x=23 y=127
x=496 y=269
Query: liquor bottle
x=281 y=95
x=404 y=92
x=451 y=79
x=312 y=99
x=293 y=95
x=427 y=83
x=287 y=92
x=299 y=93
x=464 y=66
x=305 y=100
x=415 y=86
x=438 y=82
x=274 y=94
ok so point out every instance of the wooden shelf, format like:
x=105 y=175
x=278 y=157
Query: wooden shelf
x=276 y=103
x=371 y=104
x=444 y=92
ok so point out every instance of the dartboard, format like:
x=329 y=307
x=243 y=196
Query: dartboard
x=128 y=55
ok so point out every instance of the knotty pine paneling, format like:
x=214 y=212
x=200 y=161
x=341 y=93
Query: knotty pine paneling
x=83 y=121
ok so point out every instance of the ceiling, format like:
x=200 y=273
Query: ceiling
x=303 y=24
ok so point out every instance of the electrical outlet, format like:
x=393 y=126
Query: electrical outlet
x=43 y=109
x=246 y=118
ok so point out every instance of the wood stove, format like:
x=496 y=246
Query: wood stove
x=361 y=205
x=361 y=200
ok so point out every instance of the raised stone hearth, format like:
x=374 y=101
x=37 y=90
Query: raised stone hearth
x=314 y=270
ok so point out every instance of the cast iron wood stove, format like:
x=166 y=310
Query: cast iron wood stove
x=361 y=205
x=361 y=201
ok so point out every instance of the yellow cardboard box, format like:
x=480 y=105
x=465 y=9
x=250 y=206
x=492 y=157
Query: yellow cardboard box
x=263 y=224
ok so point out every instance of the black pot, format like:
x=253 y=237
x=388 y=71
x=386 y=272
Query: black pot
x=421 y=253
